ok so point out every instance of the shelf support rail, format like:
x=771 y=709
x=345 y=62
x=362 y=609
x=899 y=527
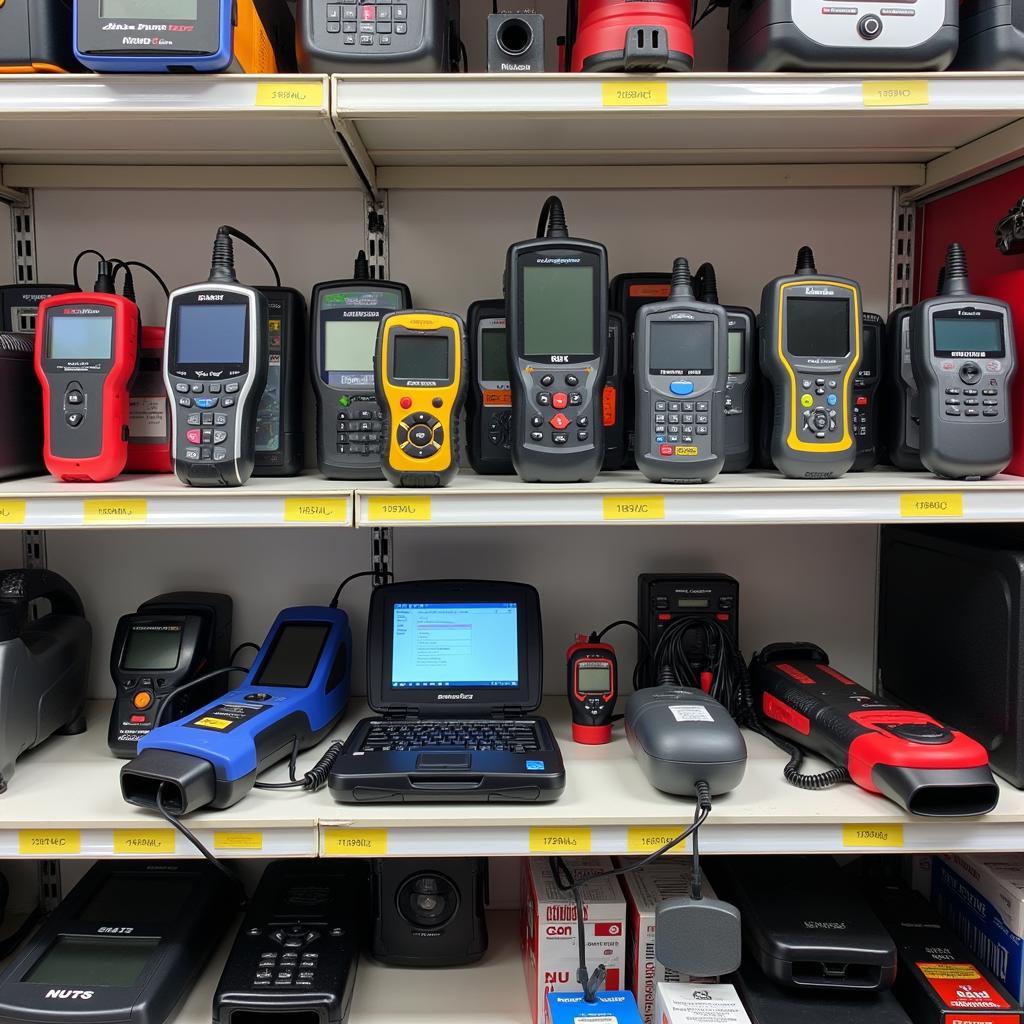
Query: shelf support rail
x=901 y=252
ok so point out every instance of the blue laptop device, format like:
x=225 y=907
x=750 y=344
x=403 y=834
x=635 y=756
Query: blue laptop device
x=455 y=674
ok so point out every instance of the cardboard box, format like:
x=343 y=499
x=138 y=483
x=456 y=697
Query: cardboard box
x=682 y=1003
x=939 y=981
x=644 y=889
x=548 y=929
x=610 y=1008
x=981 y=897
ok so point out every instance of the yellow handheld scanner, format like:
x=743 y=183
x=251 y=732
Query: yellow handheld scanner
x=420 y=364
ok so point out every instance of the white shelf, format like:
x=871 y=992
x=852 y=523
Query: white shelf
x=492 y=990
x=521 y=131
x=166 y=121
x=135 y=501
x=882 y=496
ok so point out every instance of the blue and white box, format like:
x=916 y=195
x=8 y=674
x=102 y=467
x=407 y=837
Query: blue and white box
x=609 y=1008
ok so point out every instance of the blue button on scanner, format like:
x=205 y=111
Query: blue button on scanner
x=832 y=399
x=681 y=387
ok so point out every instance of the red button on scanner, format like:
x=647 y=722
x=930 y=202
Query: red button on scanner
x=406 y=403
x=861 y=400
x=194 y=436
x=368 y=12
x=137 y=719
x=559 y=399
x=559 y=421
x=666 y=449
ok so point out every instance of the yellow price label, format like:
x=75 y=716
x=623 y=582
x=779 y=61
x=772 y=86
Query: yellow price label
x=896 y=94
x=316 y=510
x=632 y=507
x=931 y=506
x=115 y=510
x=405 y=509
x=631 y=93
x=290 y=94
x=238 y=840
x=12 y=512
x=144 y=840
x=648 y=838
x=568 y=839
x=355 y=842
x=873 y=835
x=52 y=842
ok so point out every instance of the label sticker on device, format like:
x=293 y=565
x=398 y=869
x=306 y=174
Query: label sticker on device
x=873 y=835
x=290 y=94
x=115 y=510
x=225 y=717
x=569 y=839
x=316 y=510
x=651 y=506
x=895 y=94
x=931 y=506
x=690 y=713
x=12 y=512
x=406 y=509
x=355 y=842
x=632 y=93
x=57 y=842
x=962 y=987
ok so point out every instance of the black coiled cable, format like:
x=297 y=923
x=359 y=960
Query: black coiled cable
x=315 y=778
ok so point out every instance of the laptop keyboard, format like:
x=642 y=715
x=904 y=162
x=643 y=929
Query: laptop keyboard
x=518 y=736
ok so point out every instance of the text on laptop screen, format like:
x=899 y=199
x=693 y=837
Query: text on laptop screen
x=456 y=645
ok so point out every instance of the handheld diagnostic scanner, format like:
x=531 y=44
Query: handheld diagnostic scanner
x=613 y=404
x=343 y=338
x=810 y=351
x=279 y=431
x=421 y=365
x=556 y=300
x=293 y=695
x=243 y=36
x=158 y=651
x=86 y=352
x=865 y=392
x=740 y=388
x=681 y=371
x=35 y=36
x=489 y=397
x=215 y=369
x=592 y=681
x=963 y=355
x=902 y=402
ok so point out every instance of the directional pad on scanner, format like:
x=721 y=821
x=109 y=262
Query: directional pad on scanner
x=420 y=435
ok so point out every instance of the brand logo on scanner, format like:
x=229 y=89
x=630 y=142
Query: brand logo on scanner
x=215 y=297
x=829 y=926
x=556 y=260
x=819 y=291
x=82 y=311
x=454 y=696
x=967 y=354
x=515 y=67
x=69 y=993
x=422 y=383
x=968 y=312
x=107 y=930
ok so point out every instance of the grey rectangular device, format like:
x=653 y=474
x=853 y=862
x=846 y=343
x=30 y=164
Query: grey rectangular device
x=901 y=401
x=681 y=367
x=963 y=355
x=856 y=35
x=991 y=36
x=412 y=37
x=739 y=389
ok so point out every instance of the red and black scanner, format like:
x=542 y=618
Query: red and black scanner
x=628 y=35
x=908 y=756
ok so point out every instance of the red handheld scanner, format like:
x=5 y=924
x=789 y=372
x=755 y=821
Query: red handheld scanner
x=908 y=756
x=592 y=683
x=86 y=354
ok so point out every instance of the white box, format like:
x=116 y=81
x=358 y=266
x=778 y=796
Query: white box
x=680 y=1003
x=548 y=929
x=645 y=888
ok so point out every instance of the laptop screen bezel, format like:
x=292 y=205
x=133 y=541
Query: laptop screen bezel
x=457 y=702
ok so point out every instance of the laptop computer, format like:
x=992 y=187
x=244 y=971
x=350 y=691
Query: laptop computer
x=454 y=672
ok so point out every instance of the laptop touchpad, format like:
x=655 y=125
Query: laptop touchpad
x=455 y=760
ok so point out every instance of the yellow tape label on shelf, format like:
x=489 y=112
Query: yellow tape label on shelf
x=56 y=842
x=12 y=512
x=634 y=507
x=144 y=840
x=405 y=509
x=648 y=838
x=896 y=94
x=316 y=510
x=355 y=842
x=115 y=510
x=290 y=94
x=238 y=840
x=568 y=839
x=631 y=93
x=931 y=506
x=873 y=835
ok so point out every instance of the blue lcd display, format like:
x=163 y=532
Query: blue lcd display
x=455 y=645
x=211 y=334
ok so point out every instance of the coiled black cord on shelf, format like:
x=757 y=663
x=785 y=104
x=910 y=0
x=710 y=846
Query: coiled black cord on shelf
x=314 y=779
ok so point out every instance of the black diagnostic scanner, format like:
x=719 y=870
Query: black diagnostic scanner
x=865 y=392
x=349 y=420
x=168 y=642
x=902 y=402
x=489 y=399
x=556 y=300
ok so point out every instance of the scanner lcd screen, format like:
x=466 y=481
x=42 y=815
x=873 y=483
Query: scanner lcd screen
x=80 y=337
x=349 y=345
x=151 y=648
x=737 y=364
x=294 y=655
x=969 y=335
x=420 y=356
x=558 y=311
x=594 y=679
x=682 y=348
x=92 y=961
x=171 y=10
x=211 y=334
x=818 y=327
x=494 y=354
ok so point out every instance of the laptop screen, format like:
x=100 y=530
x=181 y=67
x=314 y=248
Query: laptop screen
x=459 y=645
